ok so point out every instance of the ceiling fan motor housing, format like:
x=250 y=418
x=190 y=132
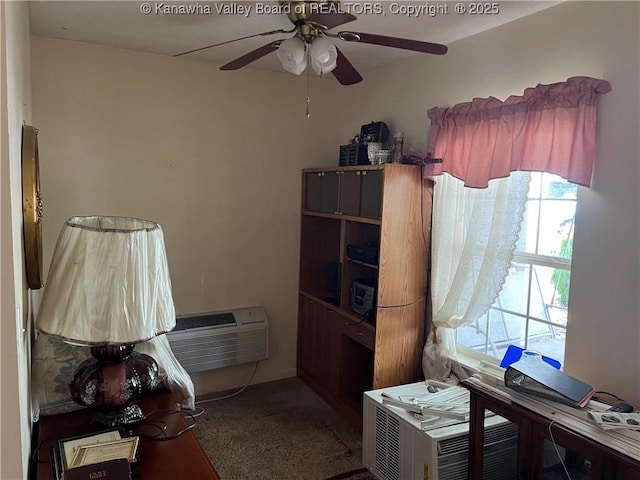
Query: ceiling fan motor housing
x=299 y=11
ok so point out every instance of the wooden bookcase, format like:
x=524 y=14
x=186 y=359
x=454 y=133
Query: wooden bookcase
x=340 y=353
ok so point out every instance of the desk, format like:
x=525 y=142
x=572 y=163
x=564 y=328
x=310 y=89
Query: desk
x=604 y=462
x=180 y=457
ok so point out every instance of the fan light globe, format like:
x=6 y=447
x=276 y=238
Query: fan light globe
x=324 y=56
x=291 y=51
x=320 y=70
x=296 y=68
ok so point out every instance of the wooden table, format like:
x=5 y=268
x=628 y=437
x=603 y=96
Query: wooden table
x=173 y=458
x=605 y=462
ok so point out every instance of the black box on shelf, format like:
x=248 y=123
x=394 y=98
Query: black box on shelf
x=353 y=154
x=374 y=132
x=366 y=252
x=348 y=155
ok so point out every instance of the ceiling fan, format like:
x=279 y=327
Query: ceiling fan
x=309 y=47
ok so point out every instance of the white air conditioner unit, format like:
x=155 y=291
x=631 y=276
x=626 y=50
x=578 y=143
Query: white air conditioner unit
x=207 y=341
x=396 y=445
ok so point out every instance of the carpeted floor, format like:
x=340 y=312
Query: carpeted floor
x=360 y=474
x=278 y=431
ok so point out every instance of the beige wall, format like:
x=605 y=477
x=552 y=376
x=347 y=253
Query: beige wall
x=214 y=157
x=598 y=39
x=15 y=108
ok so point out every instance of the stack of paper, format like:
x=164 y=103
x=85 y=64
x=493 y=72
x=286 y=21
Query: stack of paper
x=434 y=410
x=615 y=420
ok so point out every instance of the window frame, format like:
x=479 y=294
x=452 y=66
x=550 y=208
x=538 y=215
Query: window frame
x=530 y=260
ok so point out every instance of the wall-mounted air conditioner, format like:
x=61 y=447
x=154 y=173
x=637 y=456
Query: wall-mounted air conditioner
x=213 y=340
x=397 y=446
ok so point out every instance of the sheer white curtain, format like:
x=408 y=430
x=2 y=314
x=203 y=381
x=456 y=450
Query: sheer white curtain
x=474 y=237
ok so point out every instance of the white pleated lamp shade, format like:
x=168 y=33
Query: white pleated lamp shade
x=108 y=283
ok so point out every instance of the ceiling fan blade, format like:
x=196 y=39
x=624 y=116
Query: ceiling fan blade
x=403 y=43
x=331 y=19
x=345 y=72
x=272 y=32
x=252 y=56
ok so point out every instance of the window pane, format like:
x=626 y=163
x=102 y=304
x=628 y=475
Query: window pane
x=474 y=336
x=549 y=214
x=554 y=186
x=556 y=228
x=550 y=287
x=532 y=307
x=547 y=339
x=530 y=292
x=537 y=292
x=540 y=293
x=493 y=333
x=515 y=291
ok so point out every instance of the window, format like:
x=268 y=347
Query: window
x=531 y=310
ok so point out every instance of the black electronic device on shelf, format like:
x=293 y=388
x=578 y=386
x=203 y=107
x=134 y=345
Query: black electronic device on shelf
x=365 y=252
x=362 y=295
x=333 y=282
x=374 y=132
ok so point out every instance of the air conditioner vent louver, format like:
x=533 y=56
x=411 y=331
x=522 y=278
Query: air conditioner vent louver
x=220 y=339
x=456 y=471
x=381 y=441
x=500 y=432
x=387 y=431
x=394 y=449
x=500 y=465
x=206 y=320
x=453 y=445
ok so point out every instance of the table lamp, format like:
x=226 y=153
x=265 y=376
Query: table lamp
x=108 y=288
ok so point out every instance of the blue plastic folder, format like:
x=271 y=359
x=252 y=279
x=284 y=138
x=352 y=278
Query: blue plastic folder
x=514 y=353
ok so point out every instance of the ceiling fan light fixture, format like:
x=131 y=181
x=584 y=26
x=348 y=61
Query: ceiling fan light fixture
x=324 y=56
x=322 y=70
x=291 y=52
x=295 y=68
x=312 y=22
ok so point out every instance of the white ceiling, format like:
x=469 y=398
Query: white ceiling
x=121 y=24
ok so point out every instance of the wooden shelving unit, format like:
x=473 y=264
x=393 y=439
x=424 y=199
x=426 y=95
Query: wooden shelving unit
x=340 y=353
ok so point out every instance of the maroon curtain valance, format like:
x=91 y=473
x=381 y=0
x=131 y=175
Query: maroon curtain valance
x=550 y=128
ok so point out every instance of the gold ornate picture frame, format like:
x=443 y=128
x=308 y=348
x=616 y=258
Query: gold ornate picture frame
x=31 y=207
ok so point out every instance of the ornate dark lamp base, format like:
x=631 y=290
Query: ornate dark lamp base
x=131 y=413
x=111 y=380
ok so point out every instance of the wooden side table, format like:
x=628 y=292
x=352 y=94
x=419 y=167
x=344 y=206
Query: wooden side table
x=173 y=458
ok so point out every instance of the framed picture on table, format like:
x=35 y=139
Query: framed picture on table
x=67 y=447
x=105 y=451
